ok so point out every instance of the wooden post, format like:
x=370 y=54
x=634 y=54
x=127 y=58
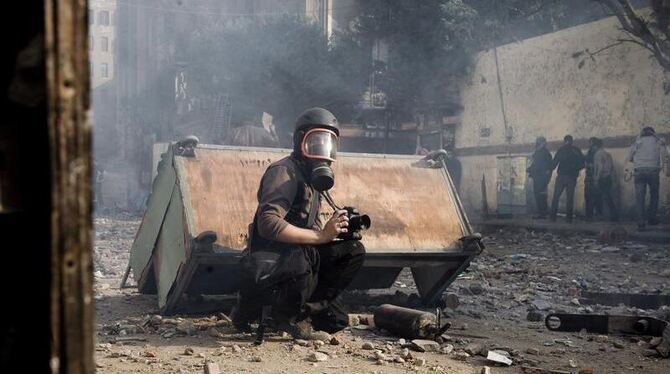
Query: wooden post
x=71 y=222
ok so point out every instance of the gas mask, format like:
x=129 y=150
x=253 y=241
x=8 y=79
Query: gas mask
x=319 y=147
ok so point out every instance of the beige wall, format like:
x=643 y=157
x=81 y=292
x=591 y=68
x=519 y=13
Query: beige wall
x=546 y=93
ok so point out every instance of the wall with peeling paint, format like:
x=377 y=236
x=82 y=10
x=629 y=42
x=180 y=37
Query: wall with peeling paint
x=539 y=89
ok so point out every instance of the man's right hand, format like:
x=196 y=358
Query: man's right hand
x=336 y=225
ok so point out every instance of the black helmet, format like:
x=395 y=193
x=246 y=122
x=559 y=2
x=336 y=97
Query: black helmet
x=317 y=117
x=647 y=131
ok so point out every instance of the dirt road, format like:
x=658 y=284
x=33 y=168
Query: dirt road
x=521 y=275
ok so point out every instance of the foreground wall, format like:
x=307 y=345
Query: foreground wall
x=536 y=88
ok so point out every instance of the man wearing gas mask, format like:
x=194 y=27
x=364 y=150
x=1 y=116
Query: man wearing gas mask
x=295 y=266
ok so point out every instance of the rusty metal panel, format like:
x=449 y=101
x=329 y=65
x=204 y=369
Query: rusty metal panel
x=412 y=208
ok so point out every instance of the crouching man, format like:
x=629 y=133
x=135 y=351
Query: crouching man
x=295 y=267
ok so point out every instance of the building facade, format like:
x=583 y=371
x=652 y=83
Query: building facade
x=101 y=42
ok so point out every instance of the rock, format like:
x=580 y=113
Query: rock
x=424 y=345
x=155 y=320
x=379 y=362
x=187 y=328
x=575 y=302
x=420 y=361
x=224 y=317
x=649 y=352
x=498 y=358
x=354 y=320
x=302 y=342
x=236 y=348
x=212 y=368
x=451 y=301
x=534 y=316
x=618 y=344
x=401 y=341
x=485 y=370
x=189 y=351
x=255 y=359
x=461 y=356
x=541 y=305
x=533 y=351
x=447 y=349
x=399 y=360
x=149 y=354
x=572 y=363
x=317 y=357
x=601 y=338
x=213 y=332
x=379 y=355
x=318 y=344
x=334 y=341
x=663 y=349
x=476 y=288
x=368 y=346
x=406 y=354
x=655 y=341
x=474 y=349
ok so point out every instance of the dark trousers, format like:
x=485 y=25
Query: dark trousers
x=646 y=178
x=540 y=184
x=592 y=198
x=605 y=195
x=311 y=280
x=564 y=183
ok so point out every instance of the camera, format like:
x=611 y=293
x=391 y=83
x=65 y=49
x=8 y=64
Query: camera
x=357 y=223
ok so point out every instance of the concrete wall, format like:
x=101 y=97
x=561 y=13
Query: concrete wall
x=545 y=92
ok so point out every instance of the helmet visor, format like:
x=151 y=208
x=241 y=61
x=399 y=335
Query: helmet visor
x=320 y=144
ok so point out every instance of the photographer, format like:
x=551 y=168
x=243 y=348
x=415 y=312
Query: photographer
x=295 y=264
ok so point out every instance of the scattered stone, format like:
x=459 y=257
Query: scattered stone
x=649 y=352
x=236 y=348
x=318 y=344
x=535 y=316
x=420 y=361
x=533 y=351
x=424 y=345
x=663 y=349
x=572 y=363
x=213 y=332
x=368 y=346
x=155 y=320
x=212 y=368
x=401 y=341
x=334 y=341
x=255 y=359
x=451 y=301
x=380 y=362
x=575 y=301
x=618 y=344
x=399 y=360
x=476 y=288
x=189 y=351
x=498 y=358
x=655 y=341
x=447 y=349
x=485 y=370
x=354 y=320
x=317 y=357
x=302 y=342
x=541 y=305
x=380 y=356
x=601 y=338
x=461 y=356
x=474 y=349
x=149 y=354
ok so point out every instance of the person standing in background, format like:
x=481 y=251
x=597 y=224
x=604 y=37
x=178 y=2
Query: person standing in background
x=648 y=154
x=592 y=197
x=540 y=171
x=570 y=161
x=603 y=177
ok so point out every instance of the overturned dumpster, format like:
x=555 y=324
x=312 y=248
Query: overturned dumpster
x=204 y=196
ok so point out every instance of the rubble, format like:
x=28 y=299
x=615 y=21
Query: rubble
x=317 y=357
x=499 y=358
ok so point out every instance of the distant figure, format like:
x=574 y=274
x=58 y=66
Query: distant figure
x=592 y=198
x=540 y=171
x=570 y=162
x=603 y=177
x=454 y=168
x=648 y=153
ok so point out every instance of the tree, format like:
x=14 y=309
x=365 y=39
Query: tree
x=650 y=32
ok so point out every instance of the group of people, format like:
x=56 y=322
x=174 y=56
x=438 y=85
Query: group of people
x=648 y=154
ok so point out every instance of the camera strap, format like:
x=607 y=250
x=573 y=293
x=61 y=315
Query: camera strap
x=313 y=208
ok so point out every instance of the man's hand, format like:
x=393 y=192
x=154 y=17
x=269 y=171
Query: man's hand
x=336 y=225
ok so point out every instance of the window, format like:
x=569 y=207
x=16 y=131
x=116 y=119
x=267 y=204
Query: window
x=104 y=70
x=104 y=43
x=103 y=18
x=91 y=17
x=91 y=43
